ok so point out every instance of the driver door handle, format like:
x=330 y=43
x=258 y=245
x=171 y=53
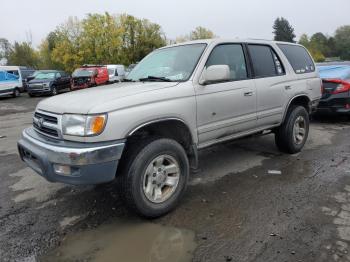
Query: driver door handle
x=248 y=94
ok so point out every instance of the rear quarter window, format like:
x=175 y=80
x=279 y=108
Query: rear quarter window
x=298 y=57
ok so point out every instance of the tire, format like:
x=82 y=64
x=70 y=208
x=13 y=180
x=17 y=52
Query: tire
x=134 y=182
x=16 y=93
x=54 y=90
x=291 y=136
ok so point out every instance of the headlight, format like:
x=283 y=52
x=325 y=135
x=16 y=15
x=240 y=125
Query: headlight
x=83 y=125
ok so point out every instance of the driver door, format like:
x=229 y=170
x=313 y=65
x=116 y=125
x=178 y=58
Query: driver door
x=226 y=108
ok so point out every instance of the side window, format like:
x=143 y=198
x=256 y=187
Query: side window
x=116 y=72
x=231 y=55
x=58 y=75
x=265 y=61
x=298 y=57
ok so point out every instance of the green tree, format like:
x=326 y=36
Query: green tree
x=45 y=52
x=23 y=54
x=319 y=42
x=67 y=50
x=100 y=39
x=342 y=42
x=5 y=48
x=283 y=31
x=139 y=37
x=201 y=33
x=304 y=40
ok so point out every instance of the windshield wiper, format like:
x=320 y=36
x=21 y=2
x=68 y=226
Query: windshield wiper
x=155 y=78
x=128 y=80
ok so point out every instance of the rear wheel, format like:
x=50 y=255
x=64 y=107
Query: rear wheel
x=16 y=92
x=154 y=176
x=291 y=136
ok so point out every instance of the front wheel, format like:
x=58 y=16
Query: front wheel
x=291 y=136
x=154 y=176
x=54 y=90
x=16 y=92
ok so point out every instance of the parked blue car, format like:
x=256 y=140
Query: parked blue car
x=9 y=84
x=335 y=90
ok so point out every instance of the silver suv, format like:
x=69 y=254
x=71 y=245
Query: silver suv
x=145 y=134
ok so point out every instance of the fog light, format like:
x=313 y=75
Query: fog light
x=62 y=170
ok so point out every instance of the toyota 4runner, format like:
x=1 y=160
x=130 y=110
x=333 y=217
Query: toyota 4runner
x=145 y=134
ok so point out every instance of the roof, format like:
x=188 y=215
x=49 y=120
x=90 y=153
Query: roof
x=230 y=40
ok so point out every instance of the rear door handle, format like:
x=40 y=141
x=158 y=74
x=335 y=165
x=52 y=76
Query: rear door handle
x=248 y=94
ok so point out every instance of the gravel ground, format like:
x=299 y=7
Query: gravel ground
x=235 y=208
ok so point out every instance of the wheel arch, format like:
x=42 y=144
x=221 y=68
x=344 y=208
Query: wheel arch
x=171 y=127
x=301 y=100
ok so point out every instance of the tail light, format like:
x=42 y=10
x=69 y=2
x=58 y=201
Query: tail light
x=342 y=87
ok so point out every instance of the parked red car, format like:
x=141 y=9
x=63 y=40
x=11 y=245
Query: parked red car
x=88 y=76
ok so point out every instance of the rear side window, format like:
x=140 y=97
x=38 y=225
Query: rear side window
x=265 y=61
x=298 y=57
x=231 y=55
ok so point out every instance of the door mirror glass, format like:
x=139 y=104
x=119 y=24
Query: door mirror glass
x=214 y=74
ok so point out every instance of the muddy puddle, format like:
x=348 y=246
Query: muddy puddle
x=126 y=242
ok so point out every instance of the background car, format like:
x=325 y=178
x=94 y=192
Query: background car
x=335 y=90
x=22 y=72
x=49 y=82
x=116 y=73
x=8 y=84
x=88 y=76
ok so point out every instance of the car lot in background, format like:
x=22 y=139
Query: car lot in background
x=116 y=73
x=22 y=72
x=336 y=89
x=88 y=76
x=49 y=82
x=9 y=84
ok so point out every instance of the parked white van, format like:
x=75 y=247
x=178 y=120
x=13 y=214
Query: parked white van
x=116 y=73
x=8 y=84
x=22 y=72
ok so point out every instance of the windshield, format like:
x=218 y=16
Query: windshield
x=83 y=72
x=111 y=71
x=174 y=63
x=45 y=75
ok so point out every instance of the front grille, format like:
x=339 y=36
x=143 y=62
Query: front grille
x=47 y=118
x=46 y=124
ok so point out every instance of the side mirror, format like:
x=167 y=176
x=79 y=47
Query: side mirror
x=214 y=74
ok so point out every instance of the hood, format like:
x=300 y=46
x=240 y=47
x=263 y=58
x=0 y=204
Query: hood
x=85 y=100
x=40 y=81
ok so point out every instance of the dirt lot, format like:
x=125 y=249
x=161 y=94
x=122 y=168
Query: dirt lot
x=234 y=210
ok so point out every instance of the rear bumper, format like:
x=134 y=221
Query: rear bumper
x=89 y=163
x=335 y=104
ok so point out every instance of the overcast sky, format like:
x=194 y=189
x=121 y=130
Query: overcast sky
x=227 y=18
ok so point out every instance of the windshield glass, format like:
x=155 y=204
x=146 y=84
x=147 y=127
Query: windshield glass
x=83 y=72
x=45 y=75
x=174 y=63
x=111 y=71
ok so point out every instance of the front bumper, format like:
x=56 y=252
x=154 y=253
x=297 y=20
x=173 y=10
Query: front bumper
x=38 y=90
x=90 y=163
